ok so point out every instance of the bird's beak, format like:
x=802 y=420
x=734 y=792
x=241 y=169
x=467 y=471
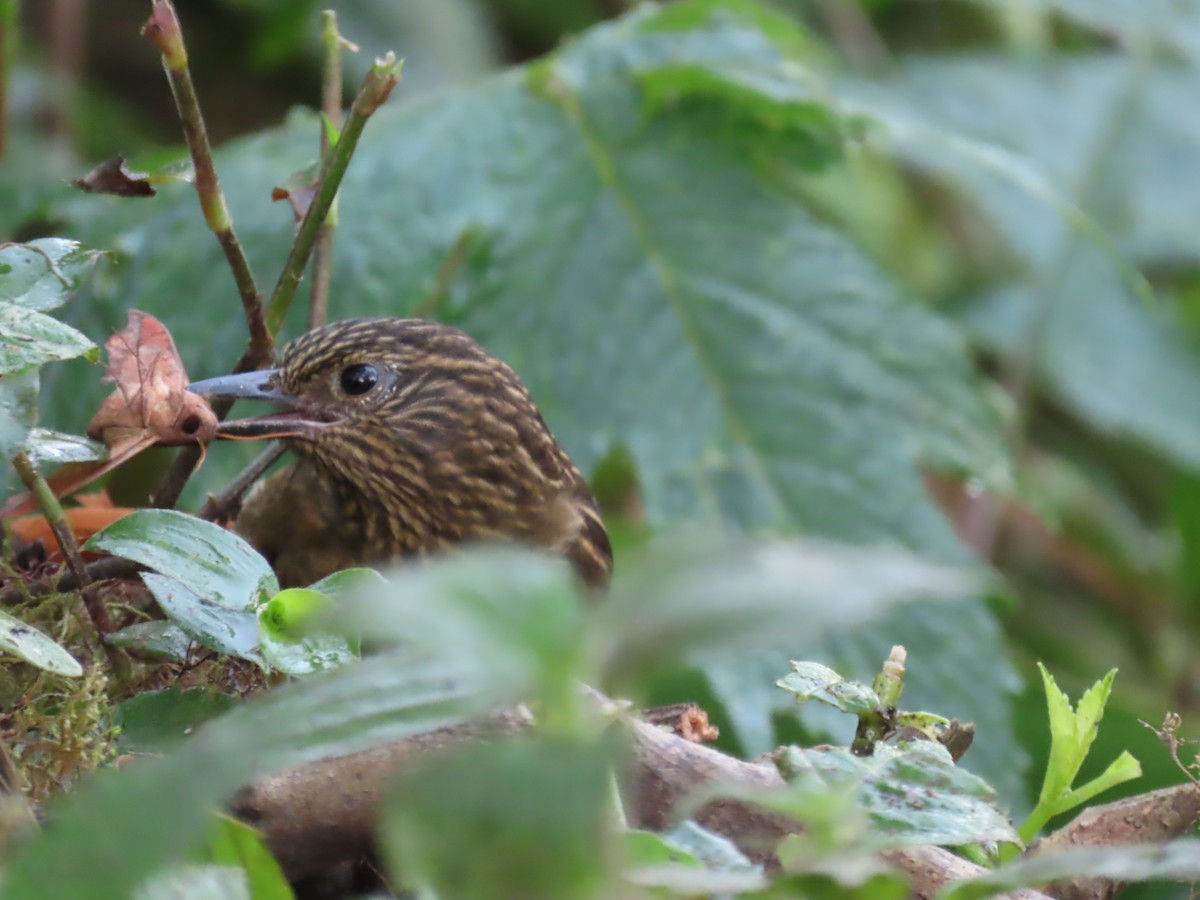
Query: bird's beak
x=260 y=385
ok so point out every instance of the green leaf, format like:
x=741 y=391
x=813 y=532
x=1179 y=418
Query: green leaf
x=34 y=278
x=1124 y=768
x=1177 y=860
x=53 y=448
x=298 y=655
x=156 y=721
x=287 y=613
x=30 y=339
x=285 y=623
x=42 y=275
x=18 y=411
x=439 y=825
x=958 y=665
x=646 y=848
x=813 y=681
x=35 y=648
x=235 y=844
x=1100 y=348
x=514 y=612
x=213 y=563
x=160 y=639
x=709 y=849
x=687 y=601
x=1071 y=731
x=225 y=629
x=197 y=883
x=913 y=793
x=164 y=805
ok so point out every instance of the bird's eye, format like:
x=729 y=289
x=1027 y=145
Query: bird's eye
x=358 y=379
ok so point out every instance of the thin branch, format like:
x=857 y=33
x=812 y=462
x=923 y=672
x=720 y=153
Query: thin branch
x=854 y=34
x=52 y=510
x=327 y=811
x=8 y=46
x=331 y=109
x=163 y=29
x=67 y=25
x=219 y=506
x=376 y=87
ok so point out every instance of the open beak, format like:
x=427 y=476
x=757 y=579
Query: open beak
x=260 y=385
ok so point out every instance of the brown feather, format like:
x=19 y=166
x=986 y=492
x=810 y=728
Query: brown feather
x=447 y=448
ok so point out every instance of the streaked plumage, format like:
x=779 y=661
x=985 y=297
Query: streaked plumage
x=445 y=447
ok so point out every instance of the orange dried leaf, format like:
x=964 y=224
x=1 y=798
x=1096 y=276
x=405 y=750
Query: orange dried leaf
x=151 y=397
x=84 y=521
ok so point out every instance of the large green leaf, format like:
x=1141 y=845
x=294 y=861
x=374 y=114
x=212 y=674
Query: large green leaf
x=913 y=793
x=525 y=817
x=1107 y=131
x=644 y=271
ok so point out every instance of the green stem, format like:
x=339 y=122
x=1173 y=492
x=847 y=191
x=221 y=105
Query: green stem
x=53 y=511
x=331 y=108
x=164 y=31
x=376 y=87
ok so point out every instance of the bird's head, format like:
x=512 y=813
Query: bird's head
x=421 y=426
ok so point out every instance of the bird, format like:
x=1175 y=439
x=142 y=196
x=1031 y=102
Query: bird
x=411 y=439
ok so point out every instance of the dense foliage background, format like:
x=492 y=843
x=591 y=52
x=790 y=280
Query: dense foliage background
x=914 y=275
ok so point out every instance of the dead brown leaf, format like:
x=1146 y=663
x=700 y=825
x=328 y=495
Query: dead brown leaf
x=151 y=397
x=113 y=177
x=150 y=405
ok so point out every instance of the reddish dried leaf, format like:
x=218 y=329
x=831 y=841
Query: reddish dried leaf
x=151 y=396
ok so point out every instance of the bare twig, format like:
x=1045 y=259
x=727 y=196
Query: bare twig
x=164 y=31
x=376 y=87
x=67 y=25
x=1151 y=818
x=331 y=108
x=101 y=569
x=52 y=510
x=8 y=45
x=219 y=505
x=326 y=811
